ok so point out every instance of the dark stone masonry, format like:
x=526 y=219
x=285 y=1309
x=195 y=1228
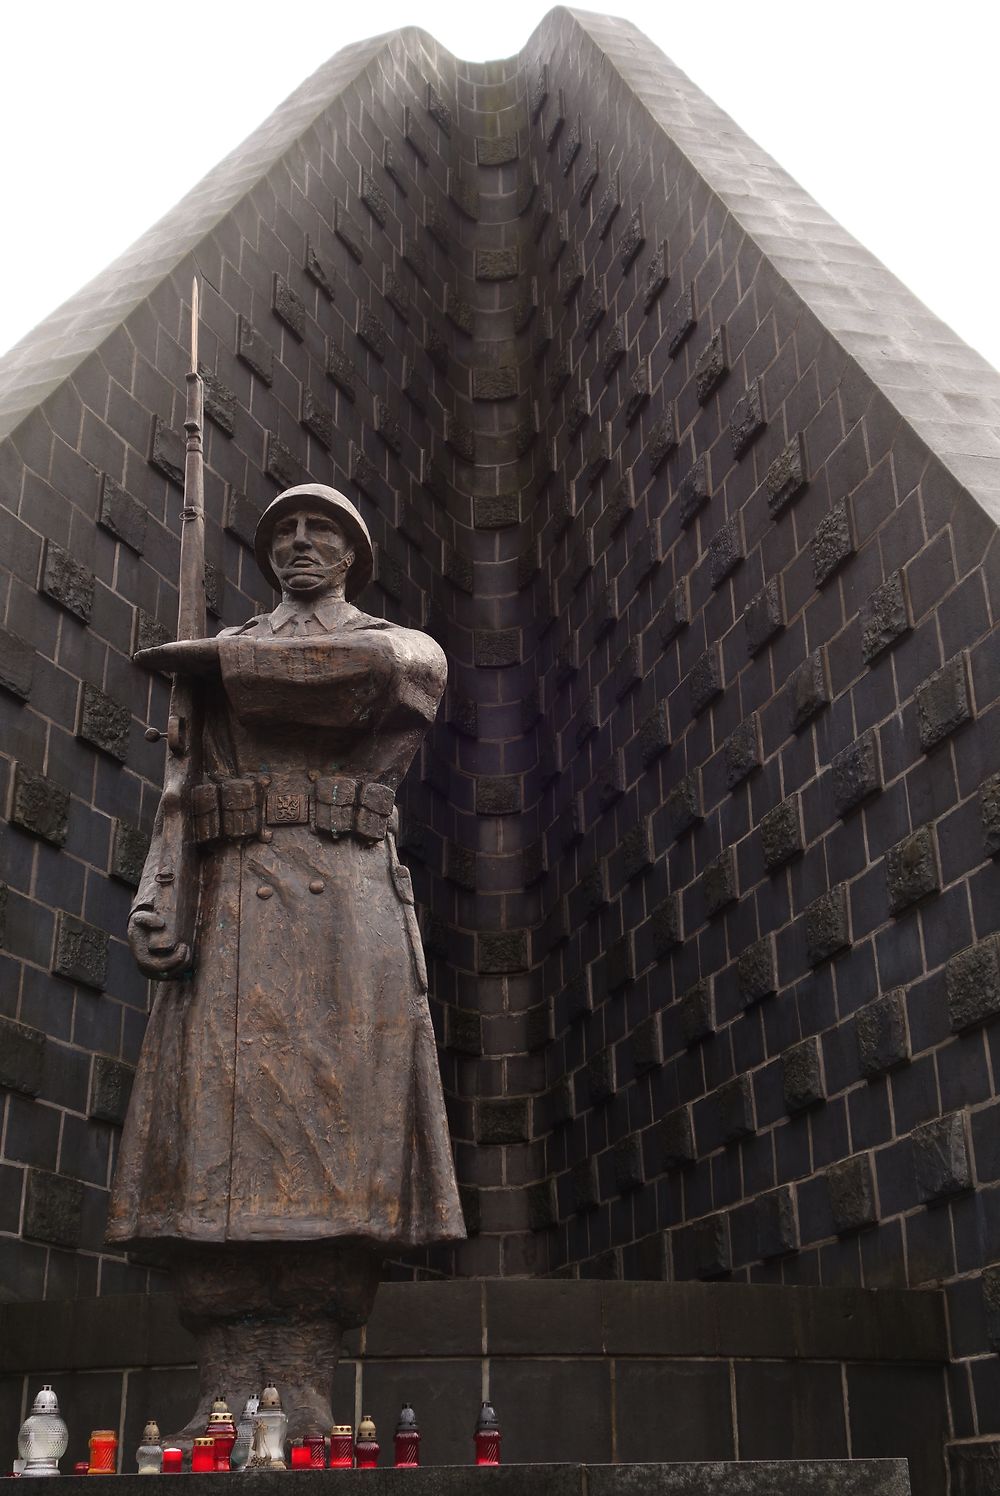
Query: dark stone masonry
x=702 y=506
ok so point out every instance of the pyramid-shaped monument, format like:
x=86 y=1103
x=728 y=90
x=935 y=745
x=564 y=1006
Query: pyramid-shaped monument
x=702 y=505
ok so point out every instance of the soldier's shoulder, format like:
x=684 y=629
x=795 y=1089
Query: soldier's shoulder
x=252 y=626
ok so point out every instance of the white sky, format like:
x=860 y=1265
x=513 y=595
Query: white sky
x=886 y=111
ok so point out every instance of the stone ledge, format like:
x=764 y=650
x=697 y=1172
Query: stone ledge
x=742 y=1478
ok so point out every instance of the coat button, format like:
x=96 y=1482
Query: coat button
x=316 y=885
x=265 y=891
x=267 y=836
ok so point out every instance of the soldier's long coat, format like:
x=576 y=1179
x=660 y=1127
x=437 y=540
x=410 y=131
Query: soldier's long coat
x=289 y=1087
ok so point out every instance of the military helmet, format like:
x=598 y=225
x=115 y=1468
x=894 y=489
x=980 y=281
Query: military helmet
x=322 y=499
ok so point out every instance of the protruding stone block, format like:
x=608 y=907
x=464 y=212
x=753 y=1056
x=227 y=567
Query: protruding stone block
x=757 y=971
x=629 y=1173
x=502 y=951
x=502 y=1121
x=827 y=925
x=103 y=722
x=802 y=1076
x=725 y=551
x=166 y=451
x=66 y=582
x=941 y=1159
x=705 y=680
x=764 y=616
x=17 y=665
x=972 y=984
x=39 y=806
x=911 y=869
x=881 y=1030
x=808 y=690
x=832 y=543
x=677 y=1138
x=684 y=804
x=943 y=702
x=885 y=617
x=53 y=1209
x=129 y=847
x=693 y=491
x=697 y=1011
x=747 y=420
x=786 y=477
x=776 y=1223
x=856 y=773
x=666 y=923
x=781 y=835
x=22 y=1057
x=288 y=305
x=110 y=1090
x=253 y=349
x=122 y=515
x=719 y=883
x=712 y=366
x=742 y=752
x=81 y=952
x=851 y=1186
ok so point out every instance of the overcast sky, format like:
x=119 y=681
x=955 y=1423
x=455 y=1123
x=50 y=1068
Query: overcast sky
x=886 y=111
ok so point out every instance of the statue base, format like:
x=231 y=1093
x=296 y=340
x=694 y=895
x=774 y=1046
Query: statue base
x=271 y=1312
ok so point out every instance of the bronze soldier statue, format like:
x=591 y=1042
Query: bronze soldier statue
x=287 y=1127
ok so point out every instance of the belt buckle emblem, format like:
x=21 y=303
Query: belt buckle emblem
x=287 y=809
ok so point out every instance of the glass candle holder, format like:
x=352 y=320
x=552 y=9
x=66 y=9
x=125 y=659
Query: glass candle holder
x=203 y=1455
x=222 y=1429
x=103 y=1452
x=316 y=1445
x=81 y=1468
x=149 y=1455
x=300 y=1455
x=43 y=1436
x=240 y=1452
x=173 y=1460
x=487 y=1436
x=407 y=1439
x=366 y=1445
x=341 y=1447
x=275 y=1424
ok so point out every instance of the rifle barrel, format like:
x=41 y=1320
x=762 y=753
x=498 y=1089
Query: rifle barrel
x=191 y=588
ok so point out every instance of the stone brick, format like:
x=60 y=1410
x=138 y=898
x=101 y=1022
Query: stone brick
x=460 y=437
x=215 y=587
x=577 y=995
x=458 y=570
x=941 y=1159
x=395 y=293
x=718 y=882
x=943 y=702
x=66 y=582
x=600 y=1073
x=741 y=751
x=110 y=1090
x=808 y=690
x=103 y=722
x=621 y=502
x=498 y=795
x=374 y=199
x=415 y=137
x=577 y=408
x=632 y=240
x=697 y=1011
x=288 y=306
x=598 y=454
x=464 y=195
x=757 y=971
x=627 y=1155
x=241 y=516
x=502 y=951
x=638 y=853
x=972 y=984
x=654 y=735
x=911 y=869
x=494 y=384
x=684 y=804
x=607 y=208
x=317 y=418
x=787 y=476
x=832 y=544
x=148 y=632
x=676 y=614
x=535 y=863
x=502 y=1121
x=438 y=110
x=460 y=866
x=347 y=232
x=593 y=890
x=856 y=773
x=851 y=1187
x=647 y=1045
x=22 y=1057
x=318 y=270
x=496 y=150
x=802 y=1076
x=764 y=616
x=253 y=349
x=747 y=420
x=734 y=1103
x=693 y=491
x=495 y=512
x=39 y=806
x=463 y=1031
x=341 y=371
x=781 y=836
x=371 y=331
x=166 y=452
x=655 y=278
x=777 y=1227
x=497 y=264
x=17 y=665
x=628 y=670
x=220 y=401
x=463 y=713
x=281 y=464
x=388 y=426
x=53 y=1209
x=989 y=813
x=827 y=925
x=712 y=366
x=710 y=1248
x=881 y=1031
x=662 y=438
x=640 y=385
x=680 y=321
x=614 y=349
x=81 y=952
x=413 y=255
x=885 y=617
x=541 y=1205
x=705 y=680
x=725 y=551
x=529 y=563
x=677 y=1138
x=620 y=963
x=122 y=515
x=437 y=350
x=584 y=1188
x=666 y=926
x=472 y=1210
x=436 y=224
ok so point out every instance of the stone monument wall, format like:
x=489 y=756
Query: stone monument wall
x=701 y=504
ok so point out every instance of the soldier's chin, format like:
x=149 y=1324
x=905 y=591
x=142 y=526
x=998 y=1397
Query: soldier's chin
x=304 y=581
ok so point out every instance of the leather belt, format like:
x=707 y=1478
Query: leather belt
x=333 y=804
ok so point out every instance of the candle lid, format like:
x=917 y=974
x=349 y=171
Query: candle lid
x=340 y=1429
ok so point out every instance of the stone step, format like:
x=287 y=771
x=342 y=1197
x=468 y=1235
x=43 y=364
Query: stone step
x=730 y=1478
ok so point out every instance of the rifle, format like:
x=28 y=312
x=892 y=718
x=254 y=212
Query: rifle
x=170 y=880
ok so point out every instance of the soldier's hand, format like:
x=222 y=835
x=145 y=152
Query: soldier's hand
x=143 y=926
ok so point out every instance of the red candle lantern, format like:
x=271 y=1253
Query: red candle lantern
x=366 y=1445
x=103 y=1452
x=203 y=1455
x=316 y=1445
x=222 y=1431
x=407 y=1441
x=300 y=1455
x=81 y=1468
x=173 y=1460
x=487 y=1436
x=341 y=1447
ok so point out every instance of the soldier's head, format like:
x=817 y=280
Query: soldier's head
x=311 y=542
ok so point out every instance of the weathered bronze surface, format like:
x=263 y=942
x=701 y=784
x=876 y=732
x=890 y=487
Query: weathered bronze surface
x=287 y=1125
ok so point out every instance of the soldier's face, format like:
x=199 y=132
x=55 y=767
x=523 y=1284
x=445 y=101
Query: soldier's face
x=310 y=553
